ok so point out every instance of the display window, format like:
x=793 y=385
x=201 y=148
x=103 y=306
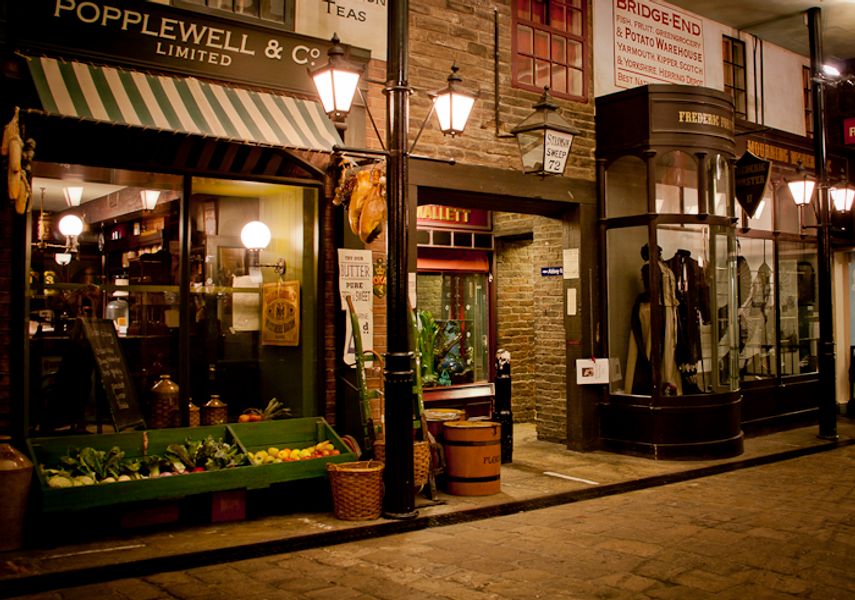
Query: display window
x=718 y=178
x=676 y=183
x=626 y=188
x=799 y=329
x=756 y=309
x=235 y=310
x=454 y=322
x=690 y=331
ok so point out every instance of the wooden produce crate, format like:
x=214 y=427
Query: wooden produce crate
x=47 y=451
x=291 y=433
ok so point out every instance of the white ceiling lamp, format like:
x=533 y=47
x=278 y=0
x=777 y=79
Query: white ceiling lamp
x=149 y=198
x=71 y=225
x=73 y=195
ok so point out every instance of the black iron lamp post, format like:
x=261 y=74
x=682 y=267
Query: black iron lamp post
x=452 y=105
x=545 y=138
x=827 y=400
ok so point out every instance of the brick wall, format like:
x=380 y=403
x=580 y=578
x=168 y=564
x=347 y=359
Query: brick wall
x=530 y=319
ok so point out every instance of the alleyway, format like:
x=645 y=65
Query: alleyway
x=781 y=530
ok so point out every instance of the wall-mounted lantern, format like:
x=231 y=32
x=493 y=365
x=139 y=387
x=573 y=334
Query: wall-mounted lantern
x=545 y=138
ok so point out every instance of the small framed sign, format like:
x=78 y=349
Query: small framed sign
x=592 y=370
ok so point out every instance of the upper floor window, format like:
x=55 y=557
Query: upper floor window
x=276 y=11
x=733 y=54
x=549 y=47
x=808 y=101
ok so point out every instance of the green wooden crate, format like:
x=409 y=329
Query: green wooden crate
x=47 y=452
x=291 y=433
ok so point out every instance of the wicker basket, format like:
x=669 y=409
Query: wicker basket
x=357 y=489
x=421 y=460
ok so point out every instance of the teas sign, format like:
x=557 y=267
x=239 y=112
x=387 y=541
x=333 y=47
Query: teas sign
x=849 y=131
x=556 y=150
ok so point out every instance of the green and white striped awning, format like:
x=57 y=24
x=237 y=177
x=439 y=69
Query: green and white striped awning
x=182 y=104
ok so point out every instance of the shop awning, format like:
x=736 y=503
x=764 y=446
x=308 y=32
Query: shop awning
x=179 y=104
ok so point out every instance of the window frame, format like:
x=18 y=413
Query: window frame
x=733 y=84
x=568 y=37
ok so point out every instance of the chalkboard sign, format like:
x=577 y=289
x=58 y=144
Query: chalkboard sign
x=100 y=336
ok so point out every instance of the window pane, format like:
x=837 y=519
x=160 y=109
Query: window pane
x=725 y=51
x=456 y=307
x=559 y=79
x=718 y=178
x=541 y=44
x=624 y=287
x=686 y=256
x=626 y=190
x=756 y=313
x=221 y=4
x=556 y=17
x=543 y=69
x=575 y=23
x=538 y=12
x=246 y=7
x=575 y=85
x=799 y=316
x=574 y=54
x=676 y=184
x=559 y=49
x=525 y=69
x=273 y=10
x=523 y=8
x=524 y=40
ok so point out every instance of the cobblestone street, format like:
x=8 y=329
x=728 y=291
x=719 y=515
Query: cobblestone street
x=783 y=530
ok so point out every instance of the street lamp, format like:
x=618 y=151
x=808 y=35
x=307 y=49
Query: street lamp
x=453 y=104
x=399 y=496
x=336 y=82
x=545 y=138
x=842 y=197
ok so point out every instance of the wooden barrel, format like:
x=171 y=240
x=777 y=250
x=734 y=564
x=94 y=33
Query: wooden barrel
x=435 y=417
x=473 y=457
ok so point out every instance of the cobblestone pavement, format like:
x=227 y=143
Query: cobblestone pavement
x=782 y=530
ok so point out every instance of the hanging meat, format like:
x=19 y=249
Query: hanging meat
x=363 y=190
x=373 y=213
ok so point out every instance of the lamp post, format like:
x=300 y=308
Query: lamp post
x=399 y=499
x=827 y=388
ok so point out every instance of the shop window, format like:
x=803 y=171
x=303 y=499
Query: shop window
x=676 y=183
x=245 y=324
x=799 y=311
x=549 y=46
x=454 y=327
x=763 y=214
x=756 y=313
x=694 y=279
x=733 y=54
x=625 y=187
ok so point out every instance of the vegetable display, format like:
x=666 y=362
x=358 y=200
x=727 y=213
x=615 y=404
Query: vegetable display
x=89 y=466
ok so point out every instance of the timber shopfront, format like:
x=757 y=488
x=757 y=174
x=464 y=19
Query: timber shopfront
x=166 y=268
x=711 y=322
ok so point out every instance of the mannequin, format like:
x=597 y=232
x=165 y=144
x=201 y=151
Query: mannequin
x=694 y=308
x=639 y=376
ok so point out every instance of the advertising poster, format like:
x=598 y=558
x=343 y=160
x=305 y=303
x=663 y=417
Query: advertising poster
x=655 y=43
x=355 y=279
x=281 y=314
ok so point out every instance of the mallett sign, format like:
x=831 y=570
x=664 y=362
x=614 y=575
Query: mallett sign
x=148 y=34
x=849 y=131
